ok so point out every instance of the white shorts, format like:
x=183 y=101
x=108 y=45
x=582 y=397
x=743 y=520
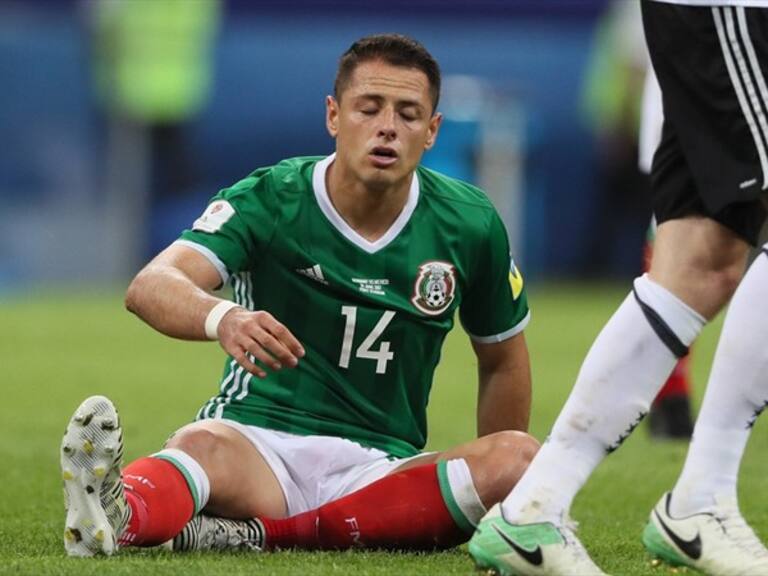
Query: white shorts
x=314 y=470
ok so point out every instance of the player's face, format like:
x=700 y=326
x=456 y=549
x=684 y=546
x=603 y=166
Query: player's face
x=383 y=123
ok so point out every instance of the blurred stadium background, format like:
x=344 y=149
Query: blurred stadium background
x=120 y=118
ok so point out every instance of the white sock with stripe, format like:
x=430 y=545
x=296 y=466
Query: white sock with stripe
x=736 y=395
x=459 y=493
x=625 y=368
x=193 y=473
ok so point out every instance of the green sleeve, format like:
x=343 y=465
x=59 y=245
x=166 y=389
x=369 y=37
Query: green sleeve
x=496 y=306
x=238 y=224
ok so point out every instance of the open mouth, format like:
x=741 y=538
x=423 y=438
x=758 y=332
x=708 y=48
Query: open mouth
x=382 y=156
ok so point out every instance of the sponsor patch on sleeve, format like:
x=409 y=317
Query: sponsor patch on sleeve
x=215 y=216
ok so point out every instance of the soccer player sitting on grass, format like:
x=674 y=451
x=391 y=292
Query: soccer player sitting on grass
x=347 y=272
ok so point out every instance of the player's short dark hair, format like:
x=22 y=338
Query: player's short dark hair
x=394 y=49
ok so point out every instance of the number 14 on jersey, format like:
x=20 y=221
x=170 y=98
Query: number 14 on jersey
x=382 y=355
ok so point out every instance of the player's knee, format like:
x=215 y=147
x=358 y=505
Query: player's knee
x=509 y=454
x=729 y=279
x=511 y=445
x=199 y=443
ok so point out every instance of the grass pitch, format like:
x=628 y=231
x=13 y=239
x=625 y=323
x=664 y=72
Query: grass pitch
x=56 y=349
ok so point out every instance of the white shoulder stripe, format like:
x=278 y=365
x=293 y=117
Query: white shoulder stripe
x=211 y=256
x=506 y=335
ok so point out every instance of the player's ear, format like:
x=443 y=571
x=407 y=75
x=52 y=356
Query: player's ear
x=332 y=116
x=434 y=128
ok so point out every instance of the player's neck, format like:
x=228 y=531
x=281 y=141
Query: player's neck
x=370 y=212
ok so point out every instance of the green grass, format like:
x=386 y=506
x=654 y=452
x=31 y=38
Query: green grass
x=55 y=349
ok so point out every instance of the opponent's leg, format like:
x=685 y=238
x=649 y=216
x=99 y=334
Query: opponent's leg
x=631 y=358
x=703 y=502
x=670 y=413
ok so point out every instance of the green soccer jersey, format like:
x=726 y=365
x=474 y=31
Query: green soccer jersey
x=372 y=316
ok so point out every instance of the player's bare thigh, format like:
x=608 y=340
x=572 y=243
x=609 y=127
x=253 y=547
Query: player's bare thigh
x=496 y=462
x=700 y=261
x=242 y=483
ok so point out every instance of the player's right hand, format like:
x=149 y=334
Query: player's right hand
x=247 y=335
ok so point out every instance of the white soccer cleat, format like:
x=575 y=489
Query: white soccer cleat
x=91 y=451
x=537 y=549
x=719 y=543
x=211 y=533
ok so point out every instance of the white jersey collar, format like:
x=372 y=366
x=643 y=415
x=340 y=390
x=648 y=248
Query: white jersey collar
x=327 y=207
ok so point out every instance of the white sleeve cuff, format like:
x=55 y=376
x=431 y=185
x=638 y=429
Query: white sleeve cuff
x=211 y=256
x=506 y=335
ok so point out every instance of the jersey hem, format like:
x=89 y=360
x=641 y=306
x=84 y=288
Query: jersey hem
x=399 y=451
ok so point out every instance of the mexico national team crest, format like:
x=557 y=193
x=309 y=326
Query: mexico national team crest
x=435 y=286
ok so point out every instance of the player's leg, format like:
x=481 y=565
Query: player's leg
x=428 y=502
x=623 y=371
x=492 y=465
x=697 y=265
x=206 y=465
x=703 y=503
x=670 y=414
x=629 y=361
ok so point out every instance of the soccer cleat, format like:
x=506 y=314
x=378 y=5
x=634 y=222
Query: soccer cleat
x=91 y=451
x=212 y=533
x=529 y=549
x=719 y=543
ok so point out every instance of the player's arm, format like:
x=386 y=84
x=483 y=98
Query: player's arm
x=504 y=395
x=173 y=295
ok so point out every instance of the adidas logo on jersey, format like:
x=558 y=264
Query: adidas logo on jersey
x=313 y=272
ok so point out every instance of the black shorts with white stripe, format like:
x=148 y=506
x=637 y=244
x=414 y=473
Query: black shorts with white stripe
x=712 y=65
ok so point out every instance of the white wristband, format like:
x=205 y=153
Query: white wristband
x=214 y=318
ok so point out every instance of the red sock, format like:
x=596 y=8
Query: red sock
x=405 y=510
x=160 y=499
x=679 y=382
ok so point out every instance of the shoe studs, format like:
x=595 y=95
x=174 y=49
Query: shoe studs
x=72 y=535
